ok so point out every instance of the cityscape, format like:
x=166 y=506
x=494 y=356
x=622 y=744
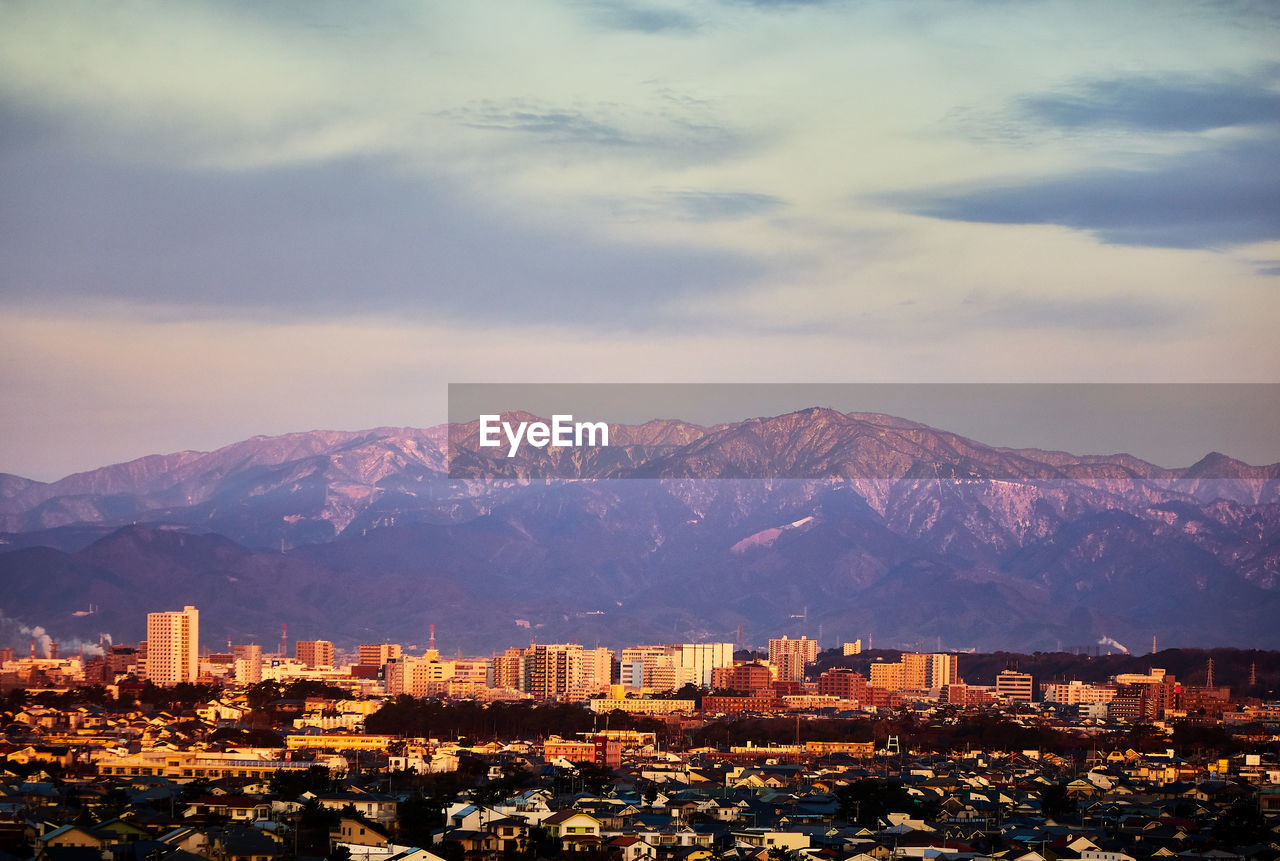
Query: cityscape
x=171 y=749
x=639 y=430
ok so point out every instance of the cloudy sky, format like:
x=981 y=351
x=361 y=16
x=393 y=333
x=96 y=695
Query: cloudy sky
x=225 y=219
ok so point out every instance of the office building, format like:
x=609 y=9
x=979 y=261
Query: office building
x=314 y=653
x=173 y=646
x=790 y=657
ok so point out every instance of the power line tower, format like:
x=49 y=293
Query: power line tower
x=1208 y=682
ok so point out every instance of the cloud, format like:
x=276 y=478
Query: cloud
x=722 y=205
x=1101 y=314
x=680 y=207
x=1157 y=104
x=679 y=133
x=786 y=4
x=558 y=126
x=1226 y=196
x=1176 y=161
x=640 y=18
x=347 y=237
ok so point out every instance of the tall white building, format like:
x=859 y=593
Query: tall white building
x=637 y=663
x=702 y=658
x=553 y=669
x=597 y=669
x=944 y=669
x=173 y=646
x=790 y=657
x=672 y=666
x=248 y=664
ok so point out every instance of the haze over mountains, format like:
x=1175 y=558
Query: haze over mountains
x=871 y=526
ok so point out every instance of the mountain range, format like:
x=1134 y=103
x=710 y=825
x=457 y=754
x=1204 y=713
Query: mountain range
x=819 y=523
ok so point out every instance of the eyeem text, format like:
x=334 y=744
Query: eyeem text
x=562 y=432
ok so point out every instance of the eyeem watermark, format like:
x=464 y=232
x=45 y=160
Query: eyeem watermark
x=1017 y=432
x=563 y=432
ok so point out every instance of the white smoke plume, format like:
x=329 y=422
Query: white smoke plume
x=20 y=634
x=42 y=638
x=75 y=647
x=1107 y=641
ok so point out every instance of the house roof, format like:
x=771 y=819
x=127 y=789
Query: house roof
x=58 y=832
x=565 y=815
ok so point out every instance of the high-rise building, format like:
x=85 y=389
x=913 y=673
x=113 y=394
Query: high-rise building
x=477 y=672
x=791 y=656
x=636 y=665
x=842 y=683
x=915 y=671
x=509 y=670
x=173 y=646
x=888 y=676
x=744 y=678
x=1077 y=692
x=702 y=658
x=314 y=653
x=672 y=666
x=1014 y=686
x=247 y=663
x=554 y=669
x=597 y=669
x=377 y=654
x=120 y=659
x=944 y=669
x=1143 y=695
x=419 y=677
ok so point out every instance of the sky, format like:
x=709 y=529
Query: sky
x=226 y=219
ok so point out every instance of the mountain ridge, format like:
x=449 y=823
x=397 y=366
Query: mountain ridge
x=344 y=534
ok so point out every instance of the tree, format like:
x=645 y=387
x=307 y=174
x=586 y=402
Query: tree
x=419 y=816
x=868 y=801
x=197 y=788
x=1242 y=824
x=1056 y=802
x=289 y=784
x=313 y=827
x=262 y=694
x=544 y=844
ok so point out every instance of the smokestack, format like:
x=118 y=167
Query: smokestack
x=33 y=648
x=431 y=642
x=284 y=640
